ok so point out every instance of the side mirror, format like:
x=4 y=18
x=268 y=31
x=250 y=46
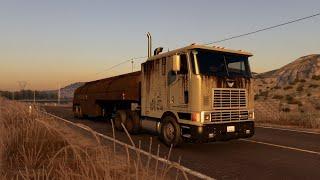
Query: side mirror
x=176 y=63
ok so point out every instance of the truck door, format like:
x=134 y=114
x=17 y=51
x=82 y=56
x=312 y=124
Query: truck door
x=178 y=85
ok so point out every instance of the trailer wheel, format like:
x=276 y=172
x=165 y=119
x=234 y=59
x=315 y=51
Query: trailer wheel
x=78 y=112
x=75 y=112
x=170 y=132
x=133 y=122
x=120 y=117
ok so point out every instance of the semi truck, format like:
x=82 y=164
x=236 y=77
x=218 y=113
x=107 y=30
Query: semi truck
x=195 y=93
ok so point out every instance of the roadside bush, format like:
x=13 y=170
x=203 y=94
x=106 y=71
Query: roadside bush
x=277 y=97
x=256 y=97
x=264 y=93
x=291 y=100
x=287 y=87
x=313 y=85
x=300 y=88
x=316 y=77
x=286 y=109
x=264 y=82
x=293 y=83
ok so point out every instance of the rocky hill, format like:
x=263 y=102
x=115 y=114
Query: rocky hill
x=295 y=86
x=67 y=91
x=303 y=68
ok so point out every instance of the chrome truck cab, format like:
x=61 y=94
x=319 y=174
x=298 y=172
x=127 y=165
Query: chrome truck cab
x=198 y=93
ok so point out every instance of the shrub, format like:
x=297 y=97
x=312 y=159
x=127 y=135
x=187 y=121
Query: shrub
x=264 y=82
x=315 y=77
x=291 y=100
x=286 y=109
x=256 y=97
x=264 y=93
x=300 y=88
x=287 y=87
x=313 y=85
x=293 y=83
x=277 y=97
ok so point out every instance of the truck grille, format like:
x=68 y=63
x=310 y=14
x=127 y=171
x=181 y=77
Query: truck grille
x=223 y=116
x=224 y=98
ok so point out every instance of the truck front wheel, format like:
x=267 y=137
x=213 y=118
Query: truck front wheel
x=171 y=132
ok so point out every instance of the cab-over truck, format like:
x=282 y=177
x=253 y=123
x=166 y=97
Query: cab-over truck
x=195 y=93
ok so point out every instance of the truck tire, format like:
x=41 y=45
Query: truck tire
x=133 y=122
x=120 y=117
x=79 y=113
x=171 y=132
x=75 y=112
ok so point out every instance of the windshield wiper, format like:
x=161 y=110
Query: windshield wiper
x=225 y=65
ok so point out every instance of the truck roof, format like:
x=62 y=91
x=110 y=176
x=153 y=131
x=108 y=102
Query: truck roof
x=195 y=46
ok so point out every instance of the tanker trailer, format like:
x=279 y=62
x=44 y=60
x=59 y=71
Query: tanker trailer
x=102 y=98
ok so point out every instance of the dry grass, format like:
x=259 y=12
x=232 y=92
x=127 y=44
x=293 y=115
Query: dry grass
x=300 y=119
x=33 y=146
x=274 y=112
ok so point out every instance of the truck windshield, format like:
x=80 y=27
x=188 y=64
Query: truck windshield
x=220 y=64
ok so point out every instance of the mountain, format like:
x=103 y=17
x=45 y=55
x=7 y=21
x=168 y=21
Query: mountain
x=295 y=86
x=67 y=91
x=303 y=68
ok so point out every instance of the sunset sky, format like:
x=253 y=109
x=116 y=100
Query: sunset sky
x=47 y=43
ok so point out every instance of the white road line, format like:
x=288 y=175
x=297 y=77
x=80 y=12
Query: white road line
x=281 y=146
x=187 y=170
x=285 y=129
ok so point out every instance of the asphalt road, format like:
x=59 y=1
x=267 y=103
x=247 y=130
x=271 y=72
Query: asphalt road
x=269 y=154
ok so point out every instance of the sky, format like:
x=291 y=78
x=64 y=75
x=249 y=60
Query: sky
x=58 y=42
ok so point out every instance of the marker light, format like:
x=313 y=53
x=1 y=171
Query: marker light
x=195 y=117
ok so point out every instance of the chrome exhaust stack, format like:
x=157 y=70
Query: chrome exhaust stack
x=149 y=44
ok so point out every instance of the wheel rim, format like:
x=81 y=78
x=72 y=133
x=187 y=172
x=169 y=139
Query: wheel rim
x=169 y=132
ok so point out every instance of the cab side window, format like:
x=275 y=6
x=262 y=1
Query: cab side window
x=172 y=76
x=183 y=64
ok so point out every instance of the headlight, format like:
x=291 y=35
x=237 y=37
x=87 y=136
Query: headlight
x=206 y=117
